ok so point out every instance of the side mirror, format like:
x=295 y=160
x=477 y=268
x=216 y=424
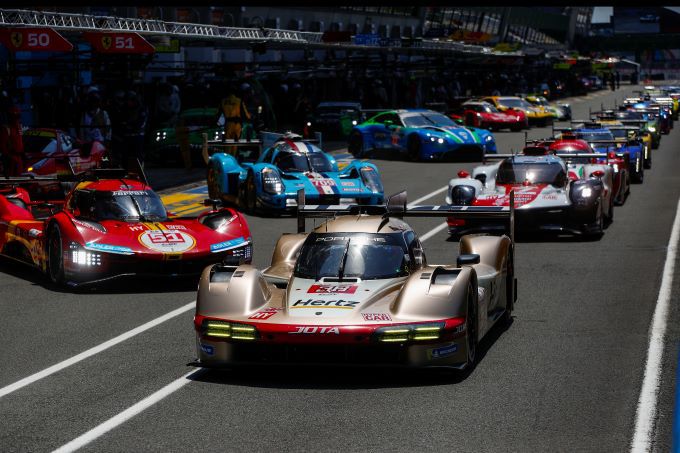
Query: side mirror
x=459 y=121
x=467 y=260
x=463 y=174
x=481 y=178
x=597 y=174
x=388 y=123
x=418 y=257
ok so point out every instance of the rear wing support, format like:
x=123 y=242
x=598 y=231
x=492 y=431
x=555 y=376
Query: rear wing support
x=396 y=207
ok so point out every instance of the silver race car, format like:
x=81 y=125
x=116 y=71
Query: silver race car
x=358 y=290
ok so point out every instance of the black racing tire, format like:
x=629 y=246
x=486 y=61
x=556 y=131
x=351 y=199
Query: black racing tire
x=639 y=176
x=509 y=287
x=55 y=256
x=471 y=326
x=610 y=216
x=414 y=148
x=213 y=186
x=598 y=231
x=647 y=163
x=355 y=144
x=249 y=196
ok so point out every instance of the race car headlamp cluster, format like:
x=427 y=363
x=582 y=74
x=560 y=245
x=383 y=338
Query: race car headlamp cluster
x=409 y=332
x=271 y=181
x=231 y=330
x=371 y=179
x=82 y=257
x=160 y=135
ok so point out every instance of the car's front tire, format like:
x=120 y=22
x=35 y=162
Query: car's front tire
x=356 y=144
x=471 y=326
x=55 y=256
x=414 y=147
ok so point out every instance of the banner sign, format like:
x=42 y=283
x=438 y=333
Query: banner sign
x=171 y=47
x=130 y=43
x=34 y=39
x=367 y=39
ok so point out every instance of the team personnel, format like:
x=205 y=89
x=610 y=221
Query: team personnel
x=12 y=143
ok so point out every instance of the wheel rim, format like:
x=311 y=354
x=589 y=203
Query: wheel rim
x=55 y=253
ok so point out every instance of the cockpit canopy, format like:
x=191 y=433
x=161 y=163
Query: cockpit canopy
x=536 y=172
x=122 y=205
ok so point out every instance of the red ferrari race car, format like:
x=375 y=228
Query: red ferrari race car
x=485 y=116
x=578 y=148
x=51 y=151
x=109 y=226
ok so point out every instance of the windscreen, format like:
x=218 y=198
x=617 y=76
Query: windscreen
x=549 y=172
x=362 y=255
x=514 y=103
x=129 y=206
x=428 y=119
x=591 y=136
x=292 y=162
x=39 y=144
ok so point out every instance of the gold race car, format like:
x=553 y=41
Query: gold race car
x=358 y=290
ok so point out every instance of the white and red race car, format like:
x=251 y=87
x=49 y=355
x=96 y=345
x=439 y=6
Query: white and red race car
x=550 y=195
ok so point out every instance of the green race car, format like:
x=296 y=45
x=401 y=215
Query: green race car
x=164 y=144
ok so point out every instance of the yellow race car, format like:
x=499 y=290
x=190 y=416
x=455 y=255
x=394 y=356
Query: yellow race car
x=536 y=114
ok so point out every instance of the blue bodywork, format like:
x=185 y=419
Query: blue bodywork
x=423 y=134
x=287 y=166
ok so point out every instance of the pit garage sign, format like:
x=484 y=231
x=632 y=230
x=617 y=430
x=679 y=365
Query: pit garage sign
x=127 y=43
x=34 y=39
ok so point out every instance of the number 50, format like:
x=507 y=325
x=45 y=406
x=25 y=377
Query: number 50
x=38 y=39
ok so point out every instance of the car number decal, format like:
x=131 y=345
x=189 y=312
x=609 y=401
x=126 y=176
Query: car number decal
x=167 y=241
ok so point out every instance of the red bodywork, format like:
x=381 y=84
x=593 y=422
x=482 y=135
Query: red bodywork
x=112 y=248
x=48 y=150
x=478 y=115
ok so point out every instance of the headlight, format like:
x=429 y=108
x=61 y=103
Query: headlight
x=371 y=179
x=440 y=140
x=416 y=332
x=271 y=181
x=462 y=195
x=616 y=168
x=587 y=192
x=652 y=129
x=309 y=123
x=232 y=330
x=489 y=138
x=82 y=257
x=354 y=122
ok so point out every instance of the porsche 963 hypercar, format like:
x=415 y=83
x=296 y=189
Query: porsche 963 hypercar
x=358 y=290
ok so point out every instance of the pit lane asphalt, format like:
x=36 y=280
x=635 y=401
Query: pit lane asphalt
x=565 y=376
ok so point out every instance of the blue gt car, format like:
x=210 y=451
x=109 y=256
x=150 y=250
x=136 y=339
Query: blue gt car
x=422 y=135
x=272 y=181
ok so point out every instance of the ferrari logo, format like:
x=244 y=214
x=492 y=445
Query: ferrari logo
x=17 y=38
x=106 y=42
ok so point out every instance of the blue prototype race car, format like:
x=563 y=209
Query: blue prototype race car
x=422 y=135
x=271 y=182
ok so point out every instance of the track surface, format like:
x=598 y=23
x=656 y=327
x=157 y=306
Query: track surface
x=565 y=376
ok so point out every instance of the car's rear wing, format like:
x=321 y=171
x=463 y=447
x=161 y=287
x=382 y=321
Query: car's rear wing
x=266 y=140
x=396 y=206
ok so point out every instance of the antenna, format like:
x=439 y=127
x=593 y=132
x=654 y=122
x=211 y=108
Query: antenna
x=300 y=217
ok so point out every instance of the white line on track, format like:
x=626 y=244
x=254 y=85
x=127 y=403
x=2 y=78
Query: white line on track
x=128 y=413
x=645 y=414
x=95 y=350
x=166 y=391
x=429 y=195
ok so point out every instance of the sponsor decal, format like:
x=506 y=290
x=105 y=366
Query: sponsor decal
x=376 y=317
x=441 y=352
x=109 y=248
x=175 y=227
x=332 y=289
x=347 y=183
x=264 y=314
x=34 y=233
x=312 y=303
x=210 y=350
x=356 y=239
x=136 y=228
x=87 y=225
x=128 y=192
x=226 y=245
x=167 y=241
x=315 y=330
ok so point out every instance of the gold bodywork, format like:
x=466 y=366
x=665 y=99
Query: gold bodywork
x=265 y=299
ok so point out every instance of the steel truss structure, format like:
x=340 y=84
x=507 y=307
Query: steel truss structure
x=227 y=35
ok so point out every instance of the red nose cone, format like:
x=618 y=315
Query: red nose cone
x=463 y=174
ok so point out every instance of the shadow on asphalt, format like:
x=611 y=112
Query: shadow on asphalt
x=543 y=237
x=124 y=285
x=343 y=377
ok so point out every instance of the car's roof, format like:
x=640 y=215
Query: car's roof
x=296 y=146
x=362 y=224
